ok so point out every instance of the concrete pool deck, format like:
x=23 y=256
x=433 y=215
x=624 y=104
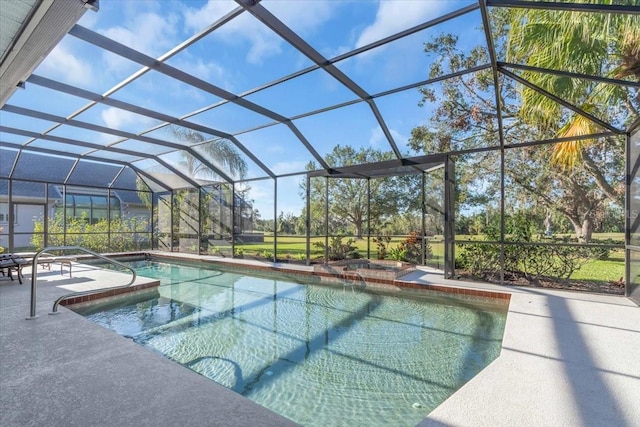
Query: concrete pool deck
x=567 y=359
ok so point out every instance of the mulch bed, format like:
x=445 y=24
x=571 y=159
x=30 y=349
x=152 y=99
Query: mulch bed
x=610 y=288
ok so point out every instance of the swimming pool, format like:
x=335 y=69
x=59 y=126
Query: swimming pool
x=317 y=354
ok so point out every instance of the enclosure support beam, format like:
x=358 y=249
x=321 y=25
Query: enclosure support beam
x=326 y=220
x=308 y=220
x=161 y=67
x=502 y=65
x=153 y=242
x=109 y=216
x=275 y=220
x=561 y=101
x=449 y=220
x=233 y=220
x=94 y=146
x=267 y=18
x=200 y=228
x=631 y=172
x=11 y=217
x=45 y=225
x=486 y=22
x=172 y=204
x=64 y=214
x=423 y=208
x=125 y=135
x=166 y=119
x=368 y=218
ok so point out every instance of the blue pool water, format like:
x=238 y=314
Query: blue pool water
x=319 y=355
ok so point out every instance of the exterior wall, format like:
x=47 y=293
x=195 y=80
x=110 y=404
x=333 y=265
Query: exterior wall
x=137 y=212
x=27 y=215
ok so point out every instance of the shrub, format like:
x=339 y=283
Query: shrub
x=480 y=260
x=382 y=242
x=398 y=253
x=529 y=260
x=125 y=234
x=409 y=250
x=339 y=250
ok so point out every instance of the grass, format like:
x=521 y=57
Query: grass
x=607 y=270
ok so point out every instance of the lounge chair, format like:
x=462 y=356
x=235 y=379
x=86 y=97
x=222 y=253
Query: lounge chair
x=46 y=262
x=10 y=263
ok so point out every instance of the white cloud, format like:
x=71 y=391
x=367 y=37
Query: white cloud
x=244 y=28
x=302 y=16
x=61 y=63
x=397 y=15
x=120 y=119
x=209 y=71
x=378 y=140
x=147 y=32
x=197 y=19
x=241 y=28
x=282 y=168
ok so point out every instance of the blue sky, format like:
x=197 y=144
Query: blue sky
x=241 y=56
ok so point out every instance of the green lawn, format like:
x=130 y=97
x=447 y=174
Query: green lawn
x=292 y=247
x=608 y=270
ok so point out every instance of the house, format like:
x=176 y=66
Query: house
x=32 y=202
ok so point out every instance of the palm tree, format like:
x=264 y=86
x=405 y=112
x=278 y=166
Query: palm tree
x=598 y=44
x=218 y=151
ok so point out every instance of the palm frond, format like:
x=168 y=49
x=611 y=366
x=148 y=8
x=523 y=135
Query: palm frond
x=568 y=154
x=217 y=151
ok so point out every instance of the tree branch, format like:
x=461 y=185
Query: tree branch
x=602 y=183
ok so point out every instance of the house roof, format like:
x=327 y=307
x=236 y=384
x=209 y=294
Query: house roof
x=33 y=170
x=31 y=190
x=31 y=166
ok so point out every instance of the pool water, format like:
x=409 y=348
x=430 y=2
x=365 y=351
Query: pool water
x=319 y=355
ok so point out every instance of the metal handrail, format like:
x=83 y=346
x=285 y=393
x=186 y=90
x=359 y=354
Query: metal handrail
x=34 y=277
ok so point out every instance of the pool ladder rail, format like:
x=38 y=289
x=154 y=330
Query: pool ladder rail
x=34 y=278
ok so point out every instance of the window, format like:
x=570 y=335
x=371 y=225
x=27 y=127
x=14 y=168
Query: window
x=92 y=208
x=4 y=213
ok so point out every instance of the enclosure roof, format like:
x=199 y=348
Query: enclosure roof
x=185 y=93
x=383 y=169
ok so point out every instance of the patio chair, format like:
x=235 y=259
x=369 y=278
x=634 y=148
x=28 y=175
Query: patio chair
x=10 y=263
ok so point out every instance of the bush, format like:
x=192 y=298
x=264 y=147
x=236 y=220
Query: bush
x=339 y=250
x=398 y=254
x=531 y=261
x=480 y=260
x=382 y=242
x=409 y=250
x=125 y=235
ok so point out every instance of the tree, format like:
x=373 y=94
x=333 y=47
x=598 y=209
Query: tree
x=348 y=196
x=218 y=151
x=464 y=117
x=598 y=44
x=287 y=223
